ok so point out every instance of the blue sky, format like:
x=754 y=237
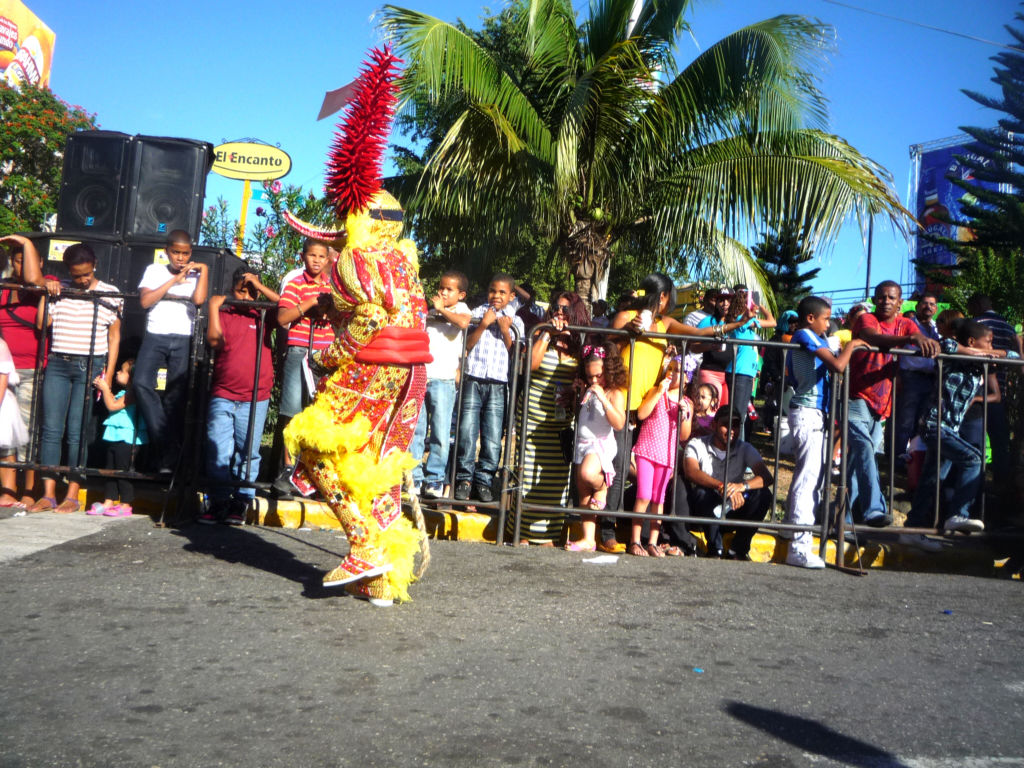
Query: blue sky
x=229 y=70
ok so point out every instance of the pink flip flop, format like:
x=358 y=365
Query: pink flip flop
x=119 y=510
x=575 y=546
x=96 y=509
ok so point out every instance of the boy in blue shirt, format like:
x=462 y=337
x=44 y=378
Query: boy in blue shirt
x=808 y=411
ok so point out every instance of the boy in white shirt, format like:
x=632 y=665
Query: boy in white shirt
x=165 y=343
x=446 y=322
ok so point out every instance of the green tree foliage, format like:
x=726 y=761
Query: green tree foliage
x=999 y=275
x=996 y=217
x=217 y=228
x=589 y=134
x=272 y=246
x=34 y=126
x=459 y=239
x=780 y=255
x=991 y=261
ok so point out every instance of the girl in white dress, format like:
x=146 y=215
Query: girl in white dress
x=13 y=432
x=602 y=410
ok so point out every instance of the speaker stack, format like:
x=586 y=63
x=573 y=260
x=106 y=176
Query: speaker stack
x=123 y=195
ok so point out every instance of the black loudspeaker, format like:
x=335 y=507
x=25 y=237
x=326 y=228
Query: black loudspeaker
x=93 y=183
x=137 y=256
x=167 y=186
x=108 y=252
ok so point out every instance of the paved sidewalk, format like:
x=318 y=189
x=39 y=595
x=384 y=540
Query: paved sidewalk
x=29 y=533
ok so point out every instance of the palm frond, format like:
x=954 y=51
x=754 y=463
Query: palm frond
x=755 y=80
x=442 y=59
x=807 y=176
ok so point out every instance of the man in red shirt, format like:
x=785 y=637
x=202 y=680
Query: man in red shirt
x=871 y=376
x=232 y=449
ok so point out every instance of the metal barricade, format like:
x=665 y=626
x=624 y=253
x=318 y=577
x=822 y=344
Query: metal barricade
x=831 y=518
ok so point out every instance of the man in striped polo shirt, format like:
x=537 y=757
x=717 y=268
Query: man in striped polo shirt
x=86 y=337
x=302 y=309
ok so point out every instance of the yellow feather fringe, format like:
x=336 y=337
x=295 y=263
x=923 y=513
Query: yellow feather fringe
x=362 y=474
x=401 y=542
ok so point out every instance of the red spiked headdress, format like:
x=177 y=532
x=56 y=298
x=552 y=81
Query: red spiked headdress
x=357 y=154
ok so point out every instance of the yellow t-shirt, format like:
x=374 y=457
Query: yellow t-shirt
x=643 y=372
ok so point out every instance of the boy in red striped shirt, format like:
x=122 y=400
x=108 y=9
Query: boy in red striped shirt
x=303 y=311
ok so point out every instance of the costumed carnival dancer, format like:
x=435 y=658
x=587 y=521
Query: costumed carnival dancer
x=352 y=441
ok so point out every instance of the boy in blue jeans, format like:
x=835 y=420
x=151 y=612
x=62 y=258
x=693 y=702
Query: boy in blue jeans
x=485 y=389
x=166 y=343
x=809 y=420
x=232 y=452
x=445 y=323
x=963 y=384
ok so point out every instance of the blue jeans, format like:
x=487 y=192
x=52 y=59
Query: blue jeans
x=739 y=397
x=435 y=418
x=955 y=450
x=482 y=414
x=291 y=382
x=227 y=426
x=66 y=389
x=913 y=402
x=865 y=438
x=165 y=416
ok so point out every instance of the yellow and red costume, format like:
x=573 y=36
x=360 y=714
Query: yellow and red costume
x=352 y=441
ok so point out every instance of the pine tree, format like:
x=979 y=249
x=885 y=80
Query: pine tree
x=996 y=216
x=780 y=255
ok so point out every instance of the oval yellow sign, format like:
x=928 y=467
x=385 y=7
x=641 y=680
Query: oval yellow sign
x=248 y=160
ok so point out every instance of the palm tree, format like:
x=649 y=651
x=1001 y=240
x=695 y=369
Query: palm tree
x=592 y=133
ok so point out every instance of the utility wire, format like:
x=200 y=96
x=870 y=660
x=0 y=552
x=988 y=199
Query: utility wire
x=926 y=26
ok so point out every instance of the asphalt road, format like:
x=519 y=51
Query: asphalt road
x=135 y=646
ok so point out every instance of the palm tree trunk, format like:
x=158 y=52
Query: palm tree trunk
x=587 y=252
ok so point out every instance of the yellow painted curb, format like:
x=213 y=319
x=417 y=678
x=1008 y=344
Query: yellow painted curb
x=286 y=513
x=441 y=524
x=455 y=525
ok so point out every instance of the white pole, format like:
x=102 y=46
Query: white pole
x=633 y=16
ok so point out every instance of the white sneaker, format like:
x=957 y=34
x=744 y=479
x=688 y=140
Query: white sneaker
x=801 y=559
x=919 y=541
x=432 y=491
x=964 y=524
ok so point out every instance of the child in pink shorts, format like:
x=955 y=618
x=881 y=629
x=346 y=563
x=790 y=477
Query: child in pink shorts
x=665 y=415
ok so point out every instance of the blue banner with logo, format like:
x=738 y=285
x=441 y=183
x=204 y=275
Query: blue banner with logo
x=938 y=198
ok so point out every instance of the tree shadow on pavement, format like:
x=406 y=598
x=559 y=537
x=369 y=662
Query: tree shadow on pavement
x=811 y=736
x=243 y=545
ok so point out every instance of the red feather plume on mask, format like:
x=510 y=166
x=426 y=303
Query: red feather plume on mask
x=357 y=155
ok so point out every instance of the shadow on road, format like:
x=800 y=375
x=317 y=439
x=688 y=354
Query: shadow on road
x=812 y=736
x=246 y=547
